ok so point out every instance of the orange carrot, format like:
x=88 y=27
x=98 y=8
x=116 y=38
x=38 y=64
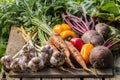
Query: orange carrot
x=77 y=56
x=60 y=44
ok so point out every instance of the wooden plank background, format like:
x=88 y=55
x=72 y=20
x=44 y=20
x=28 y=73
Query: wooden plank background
x=17 y=39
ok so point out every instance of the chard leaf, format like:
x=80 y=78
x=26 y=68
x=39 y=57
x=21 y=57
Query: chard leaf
x=111 y=8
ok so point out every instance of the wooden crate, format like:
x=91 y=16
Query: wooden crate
x=16 y=42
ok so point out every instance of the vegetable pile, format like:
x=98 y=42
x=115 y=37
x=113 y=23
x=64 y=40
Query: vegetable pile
x=60 y=34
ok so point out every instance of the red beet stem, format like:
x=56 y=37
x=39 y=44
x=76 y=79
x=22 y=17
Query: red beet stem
x=84 y=14
x=93 y=24
x=88 y=22
x=80 y=21
x=113 y=45
x=77 y=30
x=109 y=41
x=79 y=26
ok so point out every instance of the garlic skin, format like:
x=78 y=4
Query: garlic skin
x=57 y=59
x=28 y=51
x=19 y=64
x=36 y=64
x=6 y=61
x=45 y=54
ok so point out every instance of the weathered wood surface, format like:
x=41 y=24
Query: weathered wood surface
x=16 y=42
x=53 y=72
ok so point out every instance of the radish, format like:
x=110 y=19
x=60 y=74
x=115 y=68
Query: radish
x=101 y=56
x=84 y=28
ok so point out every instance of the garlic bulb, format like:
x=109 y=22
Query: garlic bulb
x=6 y=61
x=19 y=64
x=36 y=64
x=57 y=59
x=46 y=53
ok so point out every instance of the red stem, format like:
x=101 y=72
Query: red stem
x=109 y=40
x=86 y=20
x=72 y=26
x=84 y=14
x=93 y=24
x=79 y=19
x=114 y=44
x=83 y=23
x=77 y=22
x=79 y=26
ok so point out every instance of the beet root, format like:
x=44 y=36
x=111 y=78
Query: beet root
x=101 y=57
x=92 y=37
x=103 y=29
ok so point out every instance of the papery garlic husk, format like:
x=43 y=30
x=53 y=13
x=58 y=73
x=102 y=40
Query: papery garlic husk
x=36 y=64
x=57 y=59
x=28 y=51
x=45 y=54
x=19 y=64
x=6 y=61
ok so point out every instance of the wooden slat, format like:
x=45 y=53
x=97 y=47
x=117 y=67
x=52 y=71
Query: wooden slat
x=30 y=78
x=71 y=79
x=92 y=79
x=51 y=79
x=15 y=41
x=53 y=72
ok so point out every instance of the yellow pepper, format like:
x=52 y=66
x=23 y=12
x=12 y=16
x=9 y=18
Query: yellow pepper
x=65 y=27
x=64 y=30
x=85 y=52
x=67 y=33
x=58 y=28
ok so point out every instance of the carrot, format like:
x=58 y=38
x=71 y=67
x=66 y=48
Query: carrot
x=60 y=44
x=77 y=56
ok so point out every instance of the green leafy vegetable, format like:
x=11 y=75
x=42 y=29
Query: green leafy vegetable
x=111 y=8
